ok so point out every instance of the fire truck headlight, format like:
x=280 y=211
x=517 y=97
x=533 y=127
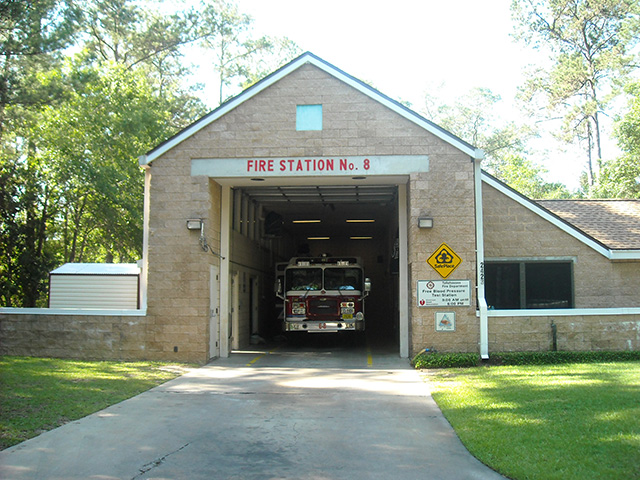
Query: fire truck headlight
x=298 y=308
x=360 y=316
x=347 y=308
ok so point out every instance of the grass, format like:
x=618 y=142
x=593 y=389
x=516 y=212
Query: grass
x=39 y=394
x=566 y=422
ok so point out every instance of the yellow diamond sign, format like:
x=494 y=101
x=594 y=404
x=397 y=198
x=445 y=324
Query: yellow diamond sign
x=444 y=260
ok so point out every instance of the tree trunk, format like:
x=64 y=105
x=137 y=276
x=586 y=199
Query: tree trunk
x=590 y=178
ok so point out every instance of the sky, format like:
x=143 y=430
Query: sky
x=407 y=48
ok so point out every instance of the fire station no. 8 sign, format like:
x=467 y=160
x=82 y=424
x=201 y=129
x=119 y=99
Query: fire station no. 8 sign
x=444 y=260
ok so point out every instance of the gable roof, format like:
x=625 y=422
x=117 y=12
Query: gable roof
x=610 y=235
x=304 y=59
x=616 y=223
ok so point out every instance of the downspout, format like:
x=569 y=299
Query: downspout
x=145 y=236
x=480 y=293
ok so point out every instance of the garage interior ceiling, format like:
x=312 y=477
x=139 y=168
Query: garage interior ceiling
x=321 y=194
x=332 y=205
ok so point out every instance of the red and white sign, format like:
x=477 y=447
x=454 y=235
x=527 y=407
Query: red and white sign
x=314 y=165
x=310 y=166
x=449 y=293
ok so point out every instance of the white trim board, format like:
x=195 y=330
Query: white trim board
x=72 y=312
x=564 y=312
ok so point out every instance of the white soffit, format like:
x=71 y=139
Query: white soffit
x=309 y=58
x=562 y=225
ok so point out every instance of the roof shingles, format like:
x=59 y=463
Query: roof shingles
x=614 y=223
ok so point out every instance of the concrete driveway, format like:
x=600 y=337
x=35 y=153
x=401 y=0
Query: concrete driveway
x=303 y=413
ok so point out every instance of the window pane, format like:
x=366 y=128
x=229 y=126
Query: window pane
x=342 y=279
x=548 y=285
x=303 y=279
x=309 y=117
x=502 y=285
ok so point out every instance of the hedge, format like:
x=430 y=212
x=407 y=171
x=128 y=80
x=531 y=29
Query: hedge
x=431 y=359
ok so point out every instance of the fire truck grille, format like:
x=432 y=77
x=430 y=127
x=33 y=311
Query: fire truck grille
x=323 y=306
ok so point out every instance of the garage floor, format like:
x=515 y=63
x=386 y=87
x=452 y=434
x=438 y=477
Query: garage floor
x=287 y=412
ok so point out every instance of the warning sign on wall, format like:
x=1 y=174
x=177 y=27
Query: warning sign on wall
x=445 y=322
x=444 y=260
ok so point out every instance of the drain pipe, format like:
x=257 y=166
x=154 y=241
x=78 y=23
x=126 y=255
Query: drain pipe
x=480 y=295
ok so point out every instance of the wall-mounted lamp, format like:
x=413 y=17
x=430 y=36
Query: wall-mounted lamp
x=425 y=222
x=198 y=224
x=194 y=224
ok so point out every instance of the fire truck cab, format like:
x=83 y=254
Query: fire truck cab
x=323 y=294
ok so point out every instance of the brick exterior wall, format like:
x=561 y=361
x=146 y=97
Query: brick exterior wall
x=94 y=337
x=575 y=333
x=446 y=194
x=264 y=126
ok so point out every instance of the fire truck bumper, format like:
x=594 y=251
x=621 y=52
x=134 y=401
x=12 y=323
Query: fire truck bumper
x=313 y=326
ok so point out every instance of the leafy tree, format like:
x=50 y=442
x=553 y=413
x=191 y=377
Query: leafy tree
x=472 y=117
x=31 y=33
x=72 y=126
x=238 y=55
x=620 y=178
x=281 y=51
x=32 y=36
x=526 y=177
x=91 y=143
x=590 y=43
x=628 y=127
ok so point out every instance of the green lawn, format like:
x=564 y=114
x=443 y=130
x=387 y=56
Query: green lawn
x=573 y=421
x=39 y=394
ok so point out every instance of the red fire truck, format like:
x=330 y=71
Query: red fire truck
x=323 y=294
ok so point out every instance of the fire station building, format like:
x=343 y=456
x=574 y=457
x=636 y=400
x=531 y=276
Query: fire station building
x=312 y=161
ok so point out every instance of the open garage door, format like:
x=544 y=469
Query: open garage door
x=362 y=220
x=339 y=221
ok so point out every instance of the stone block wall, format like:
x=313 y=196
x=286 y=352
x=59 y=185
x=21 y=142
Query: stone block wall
x=99 y=337
x=265 y=126
x=573 y=333
x=446 y=194
x=178 y=276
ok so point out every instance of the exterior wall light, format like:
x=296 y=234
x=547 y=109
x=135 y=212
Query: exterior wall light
x=198 y=224
x=194 y=224
x=425 y=222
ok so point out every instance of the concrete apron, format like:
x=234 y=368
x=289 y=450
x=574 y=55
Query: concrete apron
x=266 y=420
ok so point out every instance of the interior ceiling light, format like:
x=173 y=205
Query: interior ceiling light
x=306 y=221
x=364 y=220
x=318 y=238
x=361 y=238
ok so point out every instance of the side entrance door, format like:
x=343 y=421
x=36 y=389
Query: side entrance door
x=214 y=312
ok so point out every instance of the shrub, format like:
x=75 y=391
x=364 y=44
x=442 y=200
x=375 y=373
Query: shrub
x=445 y=360
x=431 y=359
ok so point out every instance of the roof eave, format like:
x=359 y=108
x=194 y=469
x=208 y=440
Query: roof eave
x=628 y=254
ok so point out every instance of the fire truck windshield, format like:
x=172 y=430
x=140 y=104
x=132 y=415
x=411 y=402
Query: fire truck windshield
x=303 y=279
x=343 y=279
